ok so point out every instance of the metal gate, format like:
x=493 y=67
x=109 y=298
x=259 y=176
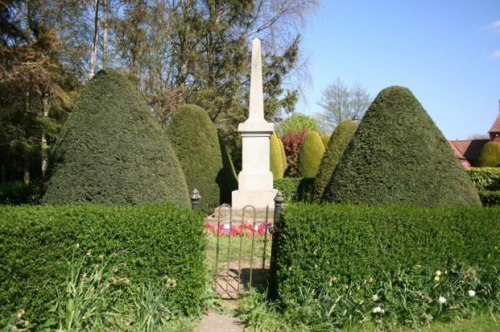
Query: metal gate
x=239 y=249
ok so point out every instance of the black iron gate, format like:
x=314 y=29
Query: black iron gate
x=239 y=248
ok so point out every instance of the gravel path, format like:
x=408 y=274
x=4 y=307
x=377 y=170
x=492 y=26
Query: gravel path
x=216 y=322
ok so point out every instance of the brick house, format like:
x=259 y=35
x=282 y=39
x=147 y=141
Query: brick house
x=468 y=150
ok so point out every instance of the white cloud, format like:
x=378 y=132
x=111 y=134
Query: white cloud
x=493 y=26
x=495 y=54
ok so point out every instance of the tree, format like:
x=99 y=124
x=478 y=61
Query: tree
x=297 y=121
x=33 y=82
x=196 y=143
x=197 y=52
x=310 y=155
x=398 y=156
x=113 y=151
x=340 y=103
x=277 y=163
x=339 y=140
x=292 y=142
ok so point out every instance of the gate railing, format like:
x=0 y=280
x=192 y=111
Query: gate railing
x=239 y=247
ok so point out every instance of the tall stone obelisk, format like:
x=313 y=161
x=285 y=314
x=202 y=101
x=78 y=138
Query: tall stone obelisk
x=255 y=181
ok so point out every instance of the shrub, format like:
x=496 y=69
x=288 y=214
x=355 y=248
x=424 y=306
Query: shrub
x=321 y=245
x=325 y=139
x=485 y=178
x=489 y=156
x=297 y=122
x=16 y=192
x=146 y=244
x=399 y=156
x=310 y=155
x=339 y=140
x=288 y=188
x=295 y=189
x=196 y=143
x=489 y=198
x=276 y=157
x=292 y=141
x=112 y=150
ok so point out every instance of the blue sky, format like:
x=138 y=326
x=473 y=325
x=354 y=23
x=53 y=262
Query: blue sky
x=446 y=51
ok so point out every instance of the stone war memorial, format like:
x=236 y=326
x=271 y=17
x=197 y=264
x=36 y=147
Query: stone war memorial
x=255 y=181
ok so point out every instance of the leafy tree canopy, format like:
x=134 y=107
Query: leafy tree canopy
x=297 y=122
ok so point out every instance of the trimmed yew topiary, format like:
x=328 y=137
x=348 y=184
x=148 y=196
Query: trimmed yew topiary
x=489 y=155
x=283 y=156
x=113 y=151
x=325 y=139
x=196 y=143
x=398 y=156
x=310 y=155
x=338 y=142
x=276 y=157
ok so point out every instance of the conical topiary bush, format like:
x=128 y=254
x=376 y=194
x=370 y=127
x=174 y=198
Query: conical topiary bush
x=113 y=151
x=278 y=166
x=196 y=143
x=399 y=156
x=310 y=155
x=338 y=142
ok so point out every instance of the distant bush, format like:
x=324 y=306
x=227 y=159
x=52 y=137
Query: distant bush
x=310 y=155
x=16 y=192
x=399 y=157
x=196 y=143
x=295 y=189
x=288 y=188
x=339 y=140
x=292 y=142
x=489 y=198
x=485 y=178
x=325 y=139
x=297 y=122
x=278 y=165
x=113 y=151
x=338 y=246
x=489 y=156
x=147 y=245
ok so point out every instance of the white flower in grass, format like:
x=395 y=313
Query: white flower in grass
x=442 y=300
x=375 y=298
x=436 y=278
x=471 y=293
x=378 y=310
x=438 y=273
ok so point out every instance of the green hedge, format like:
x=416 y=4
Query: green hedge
x=485 y=178
x=146 y=243
x=295 y=189
x=489 y=198
x=352 y=243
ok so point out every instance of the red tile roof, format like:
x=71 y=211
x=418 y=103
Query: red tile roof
x=467 y=149
x=496 y=125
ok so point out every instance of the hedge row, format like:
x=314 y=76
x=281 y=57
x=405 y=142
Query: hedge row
x=146 y=243
x=295 y=189
x=485 y=178
x=352 y=243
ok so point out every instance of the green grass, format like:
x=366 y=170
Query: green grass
x=260 y=315
x=237 y=250
x=482 y=323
